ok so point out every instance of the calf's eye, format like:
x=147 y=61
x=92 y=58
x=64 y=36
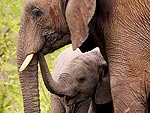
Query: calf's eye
x=81 y=79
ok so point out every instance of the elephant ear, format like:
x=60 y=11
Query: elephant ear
x=103 y=92
x=78 y=15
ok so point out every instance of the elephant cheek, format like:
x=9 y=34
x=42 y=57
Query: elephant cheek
x=34 y=43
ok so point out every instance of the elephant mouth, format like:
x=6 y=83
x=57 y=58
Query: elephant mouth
x=53 y=41
x=79 y=97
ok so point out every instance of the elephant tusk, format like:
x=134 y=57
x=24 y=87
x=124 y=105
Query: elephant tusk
x=26 y=62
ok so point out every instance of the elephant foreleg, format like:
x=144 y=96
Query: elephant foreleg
x=128 y=93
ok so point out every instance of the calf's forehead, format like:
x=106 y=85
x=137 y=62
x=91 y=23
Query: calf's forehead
x=80 y=67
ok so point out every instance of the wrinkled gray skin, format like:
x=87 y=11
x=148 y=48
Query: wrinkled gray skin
x=119 y=27
x=59 y=106
x=78 y=75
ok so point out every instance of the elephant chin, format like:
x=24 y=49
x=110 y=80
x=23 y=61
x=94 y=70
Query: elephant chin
x=79 y=97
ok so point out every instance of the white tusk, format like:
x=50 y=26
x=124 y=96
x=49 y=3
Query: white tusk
x=26 y=62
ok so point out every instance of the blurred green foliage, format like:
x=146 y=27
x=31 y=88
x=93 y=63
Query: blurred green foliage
x=10 y=92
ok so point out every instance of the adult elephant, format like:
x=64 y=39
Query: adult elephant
x=120 y=27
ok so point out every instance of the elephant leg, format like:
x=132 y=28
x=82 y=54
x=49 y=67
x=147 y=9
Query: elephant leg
x=128 y=78
x=57 y=104
x=128 y=92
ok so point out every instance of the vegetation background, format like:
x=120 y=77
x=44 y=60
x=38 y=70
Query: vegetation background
x=10 y=92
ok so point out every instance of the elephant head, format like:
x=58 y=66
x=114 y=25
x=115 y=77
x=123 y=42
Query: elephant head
x=76 y=76
x=44 y=28
x=42 y=24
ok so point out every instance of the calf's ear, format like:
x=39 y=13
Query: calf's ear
x=78 y=15
x=103 y=92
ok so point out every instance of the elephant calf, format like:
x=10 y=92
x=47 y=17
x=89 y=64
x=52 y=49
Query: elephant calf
x=78 y=75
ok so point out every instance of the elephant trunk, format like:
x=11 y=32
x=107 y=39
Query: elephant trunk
x=29 y=80
x=50 y=84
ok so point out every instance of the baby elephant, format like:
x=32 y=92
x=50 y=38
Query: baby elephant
x=84 y=71
x=83 y=80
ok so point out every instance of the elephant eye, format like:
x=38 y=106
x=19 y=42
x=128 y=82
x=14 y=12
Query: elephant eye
x=81 y=79
x=36 y=12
